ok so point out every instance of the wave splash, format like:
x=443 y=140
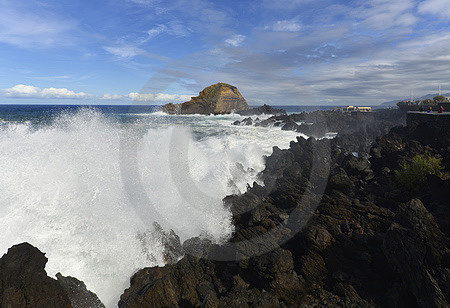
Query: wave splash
x=65 y=189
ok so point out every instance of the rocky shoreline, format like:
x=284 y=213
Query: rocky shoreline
x=328 y=228
x=355 y=131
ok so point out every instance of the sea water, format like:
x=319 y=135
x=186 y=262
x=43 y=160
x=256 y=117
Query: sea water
x=82 y=183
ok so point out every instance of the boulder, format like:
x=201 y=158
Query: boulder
x=24 y=282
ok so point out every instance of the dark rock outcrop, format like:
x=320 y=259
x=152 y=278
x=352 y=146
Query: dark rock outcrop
x=79 y=295
x=264 y=109
x=416 y=248
x=219 y=98
x=24 y=282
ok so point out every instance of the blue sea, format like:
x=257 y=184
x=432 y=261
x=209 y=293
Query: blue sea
x=41 y=113
x=86 y=184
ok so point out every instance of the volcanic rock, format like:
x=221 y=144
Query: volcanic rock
x=264 y=109
x=220 y=98
x=24 y=282
x=79 y=295
x=415 y=246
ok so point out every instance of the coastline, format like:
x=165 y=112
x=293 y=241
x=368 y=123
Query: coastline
x=353 y=224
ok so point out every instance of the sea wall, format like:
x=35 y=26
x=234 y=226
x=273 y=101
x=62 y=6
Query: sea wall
x=439 y=121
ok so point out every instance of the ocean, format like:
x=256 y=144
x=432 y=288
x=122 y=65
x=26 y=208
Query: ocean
x=83 y=184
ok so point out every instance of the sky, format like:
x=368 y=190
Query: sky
x=278 y=52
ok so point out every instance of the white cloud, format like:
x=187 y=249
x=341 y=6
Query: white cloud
x=384 y=14
x=235 y=40
x=436 y=7
x=124 y=51
x=132 y=48
x=112 y=96
x=22 y=90
x=285 y=25
x=174 y=28
x=158 y=97
x=156 y=31
x=33 y=28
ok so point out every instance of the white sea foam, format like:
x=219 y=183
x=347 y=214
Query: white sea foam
x=72 y=188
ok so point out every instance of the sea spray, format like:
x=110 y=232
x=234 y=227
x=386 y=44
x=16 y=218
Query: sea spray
x=64 y=188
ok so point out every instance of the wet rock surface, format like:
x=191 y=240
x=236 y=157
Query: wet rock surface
x=24 y=283
x=355 y=241
x=79 y=295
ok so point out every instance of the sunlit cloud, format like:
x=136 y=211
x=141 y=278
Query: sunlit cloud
x=285 y=25
x=440 y=8
x=235 y=40
x=124 y=51
x=112 y=97
x=22 y=90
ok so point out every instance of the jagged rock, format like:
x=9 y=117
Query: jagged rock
x=219 y=98
x=416 y=247
x=197 y=247
x=173 y=250
x=339 y=180
x=79 y=295
x=358 y=166
x=265 y=109
x=247 y=121
x=290 y=125
x=24 y=282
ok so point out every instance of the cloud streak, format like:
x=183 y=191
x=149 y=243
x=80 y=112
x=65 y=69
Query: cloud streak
x=33 y=28
x=147 y=97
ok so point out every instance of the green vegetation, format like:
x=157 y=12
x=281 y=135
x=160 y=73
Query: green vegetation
x=412 y=176
x=428 y=102
x=400 y=104
x=439 y=99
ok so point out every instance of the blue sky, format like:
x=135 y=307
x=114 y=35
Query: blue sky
x=280 y=52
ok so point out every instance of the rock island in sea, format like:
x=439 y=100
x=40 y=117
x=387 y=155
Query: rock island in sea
x=219 y=98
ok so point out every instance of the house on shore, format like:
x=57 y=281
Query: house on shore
x=357 y=109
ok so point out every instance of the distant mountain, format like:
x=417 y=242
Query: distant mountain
x=394 y=102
